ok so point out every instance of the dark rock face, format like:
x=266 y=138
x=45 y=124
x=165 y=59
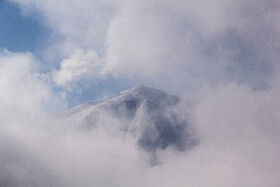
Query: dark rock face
x=164 y=133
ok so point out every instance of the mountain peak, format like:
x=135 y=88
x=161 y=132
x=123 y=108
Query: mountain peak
x=142 y=90
x=143 y=93
x=141 y=112
x=131 y=98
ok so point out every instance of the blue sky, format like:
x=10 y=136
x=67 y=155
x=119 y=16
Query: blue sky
x=19 y=33
x=27 y=33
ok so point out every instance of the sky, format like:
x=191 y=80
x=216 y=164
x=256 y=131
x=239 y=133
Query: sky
x=19 y=33
x=27 y=32
x=91 y=49
x=220 y=57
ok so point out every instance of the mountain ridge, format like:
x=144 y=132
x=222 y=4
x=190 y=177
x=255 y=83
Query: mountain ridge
x=144 y=113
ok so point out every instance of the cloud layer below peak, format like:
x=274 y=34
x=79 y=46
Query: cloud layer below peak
x=222 y=57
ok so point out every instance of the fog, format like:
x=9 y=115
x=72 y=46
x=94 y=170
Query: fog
x=220 y=57
x=237 y=127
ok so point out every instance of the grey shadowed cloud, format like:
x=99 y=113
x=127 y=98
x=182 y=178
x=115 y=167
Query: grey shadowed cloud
x=183 y=43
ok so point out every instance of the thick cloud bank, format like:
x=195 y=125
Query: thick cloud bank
x=238 y=130
x=221 y=57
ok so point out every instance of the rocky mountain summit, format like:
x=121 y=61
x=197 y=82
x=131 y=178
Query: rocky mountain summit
x=146 y=114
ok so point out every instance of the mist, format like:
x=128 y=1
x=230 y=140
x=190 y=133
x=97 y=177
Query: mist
x=237 y=129
x=220 y=57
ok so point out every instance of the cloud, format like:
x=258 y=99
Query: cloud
x=238 y=130
x=191 y=43
x=80 y=65
x=239 y=146
x=183 y=43
x=234 y=122
x=225 y=52
x=25 y=98
x=22 y=85
x=75 y=24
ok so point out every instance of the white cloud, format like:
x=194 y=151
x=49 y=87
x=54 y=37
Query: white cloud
x=190 y=43
x=183 y=43
x=75 y=24
x=25 y=99
x=239 y=146
x=238 y=130
x=21 y=84
x=173 y=45
x=80 y=65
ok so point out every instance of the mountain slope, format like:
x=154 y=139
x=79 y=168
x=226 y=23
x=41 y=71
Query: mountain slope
x=146 y=114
